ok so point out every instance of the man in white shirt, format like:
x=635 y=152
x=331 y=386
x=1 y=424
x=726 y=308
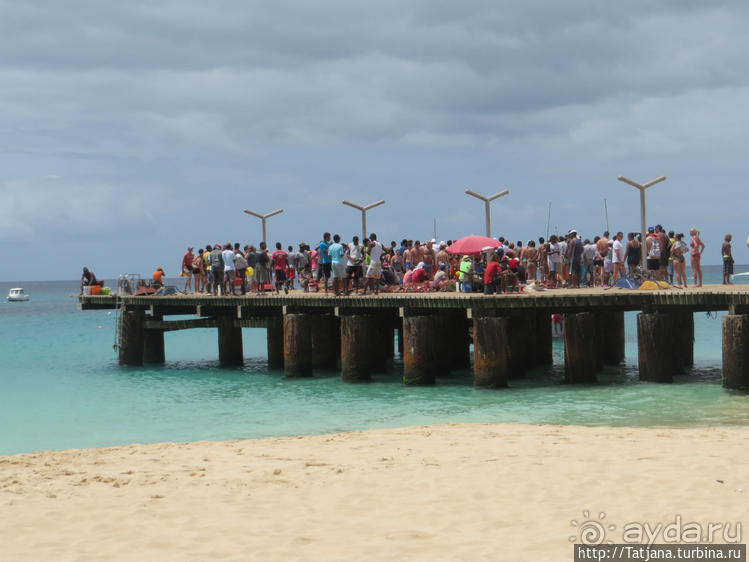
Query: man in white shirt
x=617 y=258
x=354 y=265
x=374 y=271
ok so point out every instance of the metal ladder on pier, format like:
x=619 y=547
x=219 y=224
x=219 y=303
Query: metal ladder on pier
x=126 y=285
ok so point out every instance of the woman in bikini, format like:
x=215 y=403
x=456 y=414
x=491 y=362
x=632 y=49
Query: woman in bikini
x=678 y=250
x=697 y=247
x=531 y=260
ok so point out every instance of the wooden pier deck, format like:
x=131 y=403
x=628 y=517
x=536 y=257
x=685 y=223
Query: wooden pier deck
x=435 y=330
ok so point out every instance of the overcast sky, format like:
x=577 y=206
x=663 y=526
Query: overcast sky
x=131 y=130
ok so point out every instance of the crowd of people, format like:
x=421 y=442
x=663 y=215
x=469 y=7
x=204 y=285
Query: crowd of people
x=368 y=266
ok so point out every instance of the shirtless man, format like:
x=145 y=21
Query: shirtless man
x=417 y=254
x=727 y=260
x=442 y=255
x=603 y=249
x=428 y=259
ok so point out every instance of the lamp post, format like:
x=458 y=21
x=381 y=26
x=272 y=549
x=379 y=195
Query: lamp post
x=364 y=210
x=643 y=222
x=487 y=201
x=264 y=218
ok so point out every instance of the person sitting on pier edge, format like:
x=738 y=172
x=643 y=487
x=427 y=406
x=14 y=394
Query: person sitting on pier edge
x=158 y=278
x=88 y=279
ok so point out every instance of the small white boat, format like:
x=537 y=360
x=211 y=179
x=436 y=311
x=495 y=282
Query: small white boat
x=17 y=295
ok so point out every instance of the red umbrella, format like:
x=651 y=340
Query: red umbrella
x=472 y=245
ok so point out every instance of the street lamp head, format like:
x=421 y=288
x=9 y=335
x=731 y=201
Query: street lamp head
x=354 y=205
x=490 y=198
x=498 y=195
x=364 y=207
x=476 y=195
x=375 y=204
x=655 y=181
x=258 y=215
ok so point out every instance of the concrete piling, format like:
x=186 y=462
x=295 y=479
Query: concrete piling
x=229 y=341
x=736 y=351
x=420 y=354
x=325 y=341
x=297 y=345
x=131 y=337
x=491 y=351
x=358 y=332
x=655 y=346
x=580 y=363
x=274 y=328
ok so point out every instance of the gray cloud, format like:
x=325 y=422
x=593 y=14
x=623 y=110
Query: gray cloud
x=146 y=108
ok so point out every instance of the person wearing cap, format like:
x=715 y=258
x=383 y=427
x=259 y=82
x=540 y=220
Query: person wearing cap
x=186 y=268
x=665 y=245
x=465 y=274
x=158 y=278
x=88 y=279
x=440 y=278
x=653 y=248
x=302 y=257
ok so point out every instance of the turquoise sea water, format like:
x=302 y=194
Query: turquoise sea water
x=61 y=387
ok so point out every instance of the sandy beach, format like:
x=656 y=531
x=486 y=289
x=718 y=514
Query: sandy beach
x=448 y=492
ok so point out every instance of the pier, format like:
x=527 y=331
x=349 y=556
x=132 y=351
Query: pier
x=434 y=331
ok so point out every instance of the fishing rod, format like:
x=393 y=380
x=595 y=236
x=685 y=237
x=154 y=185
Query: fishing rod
x=548 y=221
